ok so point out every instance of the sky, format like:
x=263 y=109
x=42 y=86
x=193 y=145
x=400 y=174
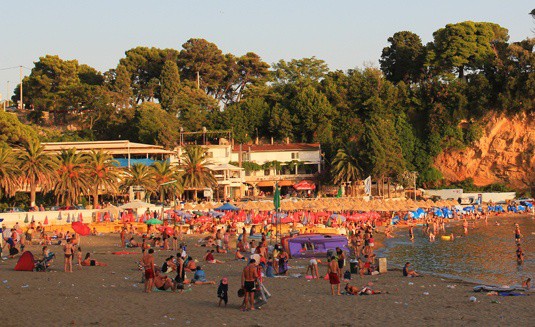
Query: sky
x=346 y=34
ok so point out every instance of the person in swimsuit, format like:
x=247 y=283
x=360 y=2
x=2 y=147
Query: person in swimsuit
x=162 y=282
x=519 y=255
x=68 y=249
x=148 y=265
x=90 y=262
x=248 y=279
x=518 y=235
x=407 y=272
x=334 y=275
x=341 y=260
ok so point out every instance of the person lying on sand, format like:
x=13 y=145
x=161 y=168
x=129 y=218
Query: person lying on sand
x=190 y=265
x=199 y=278
x=526 y=284
x=209 y=257
x=407 y=272
x=238 y=255
x=89 y=262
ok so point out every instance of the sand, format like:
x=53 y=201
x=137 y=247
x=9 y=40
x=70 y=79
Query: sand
x=113 y=296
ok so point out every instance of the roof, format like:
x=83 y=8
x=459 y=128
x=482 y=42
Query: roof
x=113 y=147
x=277 y=147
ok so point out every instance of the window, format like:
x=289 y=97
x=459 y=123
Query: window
x=246 y=156
x=295 y=155
x=266 y=172
x=209 y=154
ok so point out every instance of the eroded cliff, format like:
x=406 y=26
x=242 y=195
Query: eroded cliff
x=504 y=154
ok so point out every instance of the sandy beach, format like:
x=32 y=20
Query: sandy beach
x=113 y=296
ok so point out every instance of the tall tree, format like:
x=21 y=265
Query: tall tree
x=301 y=72
x=203 y=62
x=167 y=179
x=312 y=114
x=196 y=174
x=37 y=168
x=466 y=45
x=72 y=179
x=9 y=172
x=139 y=175
x=170 y=87
x=345 y=166
x=403 y=60
x=153 y=125
x=145 y=67
x=102 y=174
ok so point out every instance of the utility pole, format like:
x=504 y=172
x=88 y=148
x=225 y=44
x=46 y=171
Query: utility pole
x=7 y=96
x=20 y=76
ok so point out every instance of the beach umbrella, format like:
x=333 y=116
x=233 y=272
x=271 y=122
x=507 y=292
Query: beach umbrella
x=26 y=219
x=59 y=216
x=227 y=207
x=81 y=228
x=46 y=221
x=80 y=218
x=153 y=221
x=277 y=198
x=68 y=218
x=33 y=219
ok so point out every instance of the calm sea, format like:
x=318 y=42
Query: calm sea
x=486 y=255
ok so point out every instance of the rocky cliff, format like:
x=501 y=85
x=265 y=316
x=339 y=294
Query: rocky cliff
x=504 y=154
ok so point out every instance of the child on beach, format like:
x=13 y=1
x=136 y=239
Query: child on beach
x=79 y=257
x=222 y=291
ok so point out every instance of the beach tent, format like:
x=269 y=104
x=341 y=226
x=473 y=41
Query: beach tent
x=227 y=207
x=26 y=262
x=314 y=245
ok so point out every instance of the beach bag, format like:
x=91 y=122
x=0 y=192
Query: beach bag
x=347 y=274
x=241 y=292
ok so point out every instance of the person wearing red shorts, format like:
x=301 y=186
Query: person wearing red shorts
x=148 y=264
x=334 y=275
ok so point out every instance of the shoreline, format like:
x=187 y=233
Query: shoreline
x=380 y=251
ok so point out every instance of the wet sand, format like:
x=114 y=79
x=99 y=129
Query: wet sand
x=113 y=296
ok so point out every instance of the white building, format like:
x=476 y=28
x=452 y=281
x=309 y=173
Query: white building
x=284 y=164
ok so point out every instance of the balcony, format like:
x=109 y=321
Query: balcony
x=277 y=178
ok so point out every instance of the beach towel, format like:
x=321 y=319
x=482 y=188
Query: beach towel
x=26 y=262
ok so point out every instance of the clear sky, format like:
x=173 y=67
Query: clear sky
x=344 y=33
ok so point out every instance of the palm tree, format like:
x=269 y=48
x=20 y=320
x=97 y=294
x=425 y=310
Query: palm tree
x=196 y=175
x=102 y=173
x=9 y=172
x=167 y=178
x=345 y=165
x=139 y=175
x=72 y=177
x=37 y=168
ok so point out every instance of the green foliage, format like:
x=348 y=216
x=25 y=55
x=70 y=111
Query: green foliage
x=404 y=59
x=170 y=87
x=13 y=132
x=466 y=45
x=155 y=126
x=472 y=133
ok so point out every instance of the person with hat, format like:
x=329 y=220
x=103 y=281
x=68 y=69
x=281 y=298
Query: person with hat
x=222 y=291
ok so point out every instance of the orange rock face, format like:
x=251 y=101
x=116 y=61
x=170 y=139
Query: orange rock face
x=504 y=154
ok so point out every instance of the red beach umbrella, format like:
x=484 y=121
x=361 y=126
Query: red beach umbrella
x=81 y=228
x=46 y=221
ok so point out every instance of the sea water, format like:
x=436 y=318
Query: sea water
x=486 y=255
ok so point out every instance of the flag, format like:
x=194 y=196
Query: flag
x=368 y=185
x=277 y=198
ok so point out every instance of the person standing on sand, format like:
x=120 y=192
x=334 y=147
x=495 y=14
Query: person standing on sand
x=411 y=232
x=68 y=249
x=465 y=226
x=248 y=279
x=148 y=265
x=334 y=272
